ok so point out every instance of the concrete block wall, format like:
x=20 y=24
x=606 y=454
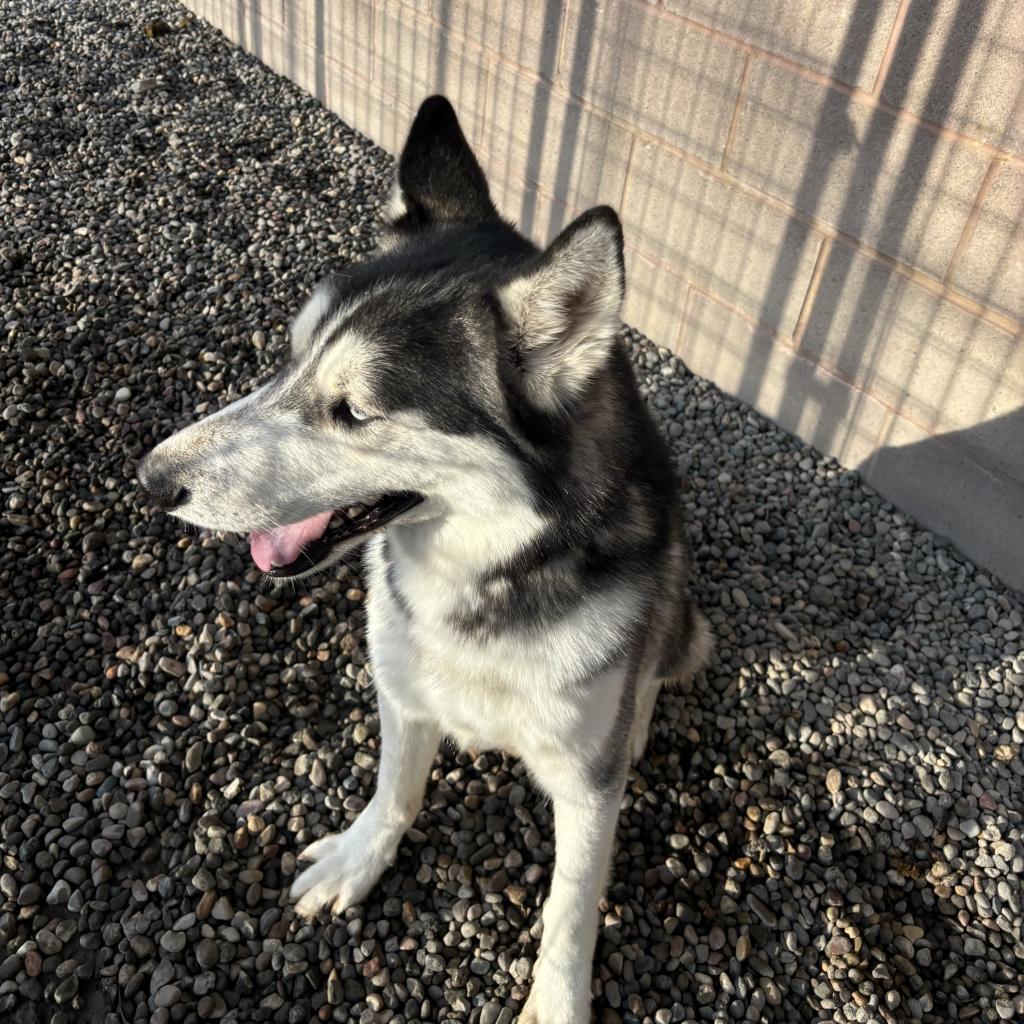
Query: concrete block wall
x=823 y=202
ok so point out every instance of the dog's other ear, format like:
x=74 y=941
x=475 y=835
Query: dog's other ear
x=564 y=309
x=439 y=179
x=310 y=319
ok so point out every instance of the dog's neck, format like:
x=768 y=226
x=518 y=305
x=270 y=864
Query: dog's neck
x=462 y=547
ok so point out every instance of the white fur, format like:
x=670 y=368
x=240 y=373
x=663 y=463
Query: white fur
x=346 y=370
x=520 y=693
x=516 y=681
x=258 y=463
x=305 y=322
x=566 y=311
x=396 y=207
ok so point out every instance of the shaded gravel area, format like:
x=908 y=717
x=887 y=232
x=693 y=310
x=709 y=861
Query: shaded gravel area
x=827 y=827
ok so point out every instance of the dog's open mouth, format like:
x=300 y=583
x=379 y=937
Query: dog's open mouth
x=297 y=548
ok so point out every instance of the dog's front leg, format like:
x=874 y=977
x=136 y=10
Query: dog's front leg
x=585 y=820
x=348 y=864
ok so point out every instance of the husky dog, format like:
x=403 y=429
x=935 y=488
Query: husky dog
x=466 y=397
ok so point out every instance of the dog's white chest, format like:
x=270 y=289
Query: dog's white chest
x=497 y=690
x=477 y=709
x=482 y=698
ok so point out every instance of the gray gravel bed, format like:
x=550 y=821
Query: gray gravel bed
x=827 y=827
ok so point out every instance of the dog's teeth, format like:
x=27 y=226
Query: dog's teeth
x=355 y=510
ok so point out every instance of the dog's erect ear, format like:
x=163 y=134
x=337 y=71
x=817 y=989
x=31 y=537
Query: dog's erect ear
x=564 y=309
x=439 y=179
x=310 y=318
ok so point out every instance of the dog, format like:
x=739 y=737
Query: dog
x=462 y=406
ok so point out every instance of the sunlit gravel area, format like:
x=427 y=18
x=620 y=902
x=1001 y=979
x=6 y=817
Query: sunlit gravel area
x=826 y=827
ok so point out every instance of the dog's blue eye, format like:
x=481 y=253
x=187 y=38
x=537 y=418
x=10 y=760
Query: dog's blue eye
x=345 y=412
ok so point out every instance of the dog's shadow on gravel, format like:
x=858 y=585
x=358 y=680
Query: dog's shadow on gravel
x=812 y=823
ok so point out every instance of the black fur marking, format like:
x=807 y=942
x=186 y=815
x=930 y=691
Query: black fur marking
x=427 y=310
x=516 y=599
x=440 y=178
x=550 y=579
x=392 y=584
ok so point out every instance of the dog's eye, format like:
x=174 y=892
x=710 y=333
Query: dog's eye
x=345 y=412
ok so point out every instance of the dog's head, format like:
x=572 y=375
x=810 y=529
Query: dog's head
x=421 y=384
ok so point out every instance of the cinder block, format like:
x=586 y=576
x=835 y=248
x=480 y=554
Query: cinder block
x=258 y=10
x=959 y=63
x=917 y=353
x=652 y=71
x=655 y=299
x=720 y=237
x=277 y=10
x=748 y=362
x=298 y=40
x=359 y=102
x=413 y=58
x=200 y=8
x=841 y=38
x=276 y=48
x=509 y=193
x=991 y=268
x=936 y=480
x=534 y=212
x=882 y=180
x=343 y=32
x=543 y=135
x=305 y=67
x=244 y=21
x=222 y=10
x=526 y=32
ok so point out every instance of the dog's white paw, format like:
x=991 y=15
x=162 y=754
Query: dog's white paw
x=344 y=871
x=558 y=997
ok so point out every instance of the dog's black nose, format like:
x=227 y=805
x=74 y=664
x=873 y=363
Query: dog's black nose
x=169 y=495
x=161 y=488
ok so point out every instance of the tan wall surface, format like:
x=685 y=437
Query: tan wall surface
x=823 y=203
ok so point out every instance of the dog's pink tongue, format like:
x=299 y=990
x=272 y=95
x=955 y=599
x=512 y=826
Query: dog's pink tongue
x=283 y=544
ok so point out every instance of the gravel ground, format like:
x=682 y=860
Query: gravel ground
x=828 y=827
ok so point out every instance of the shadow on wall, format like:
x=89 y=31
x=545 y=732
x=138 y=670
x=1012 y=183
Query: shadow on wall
x=945 y=369
x=936 y=480
x=872 y=143
x=836 y=346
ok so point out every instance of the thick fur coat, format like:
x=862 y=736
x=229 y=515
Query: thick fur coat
x=462 y=405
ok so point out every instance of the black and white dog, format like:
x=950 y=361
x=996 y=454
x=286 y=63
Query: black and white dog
x=468 y=400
